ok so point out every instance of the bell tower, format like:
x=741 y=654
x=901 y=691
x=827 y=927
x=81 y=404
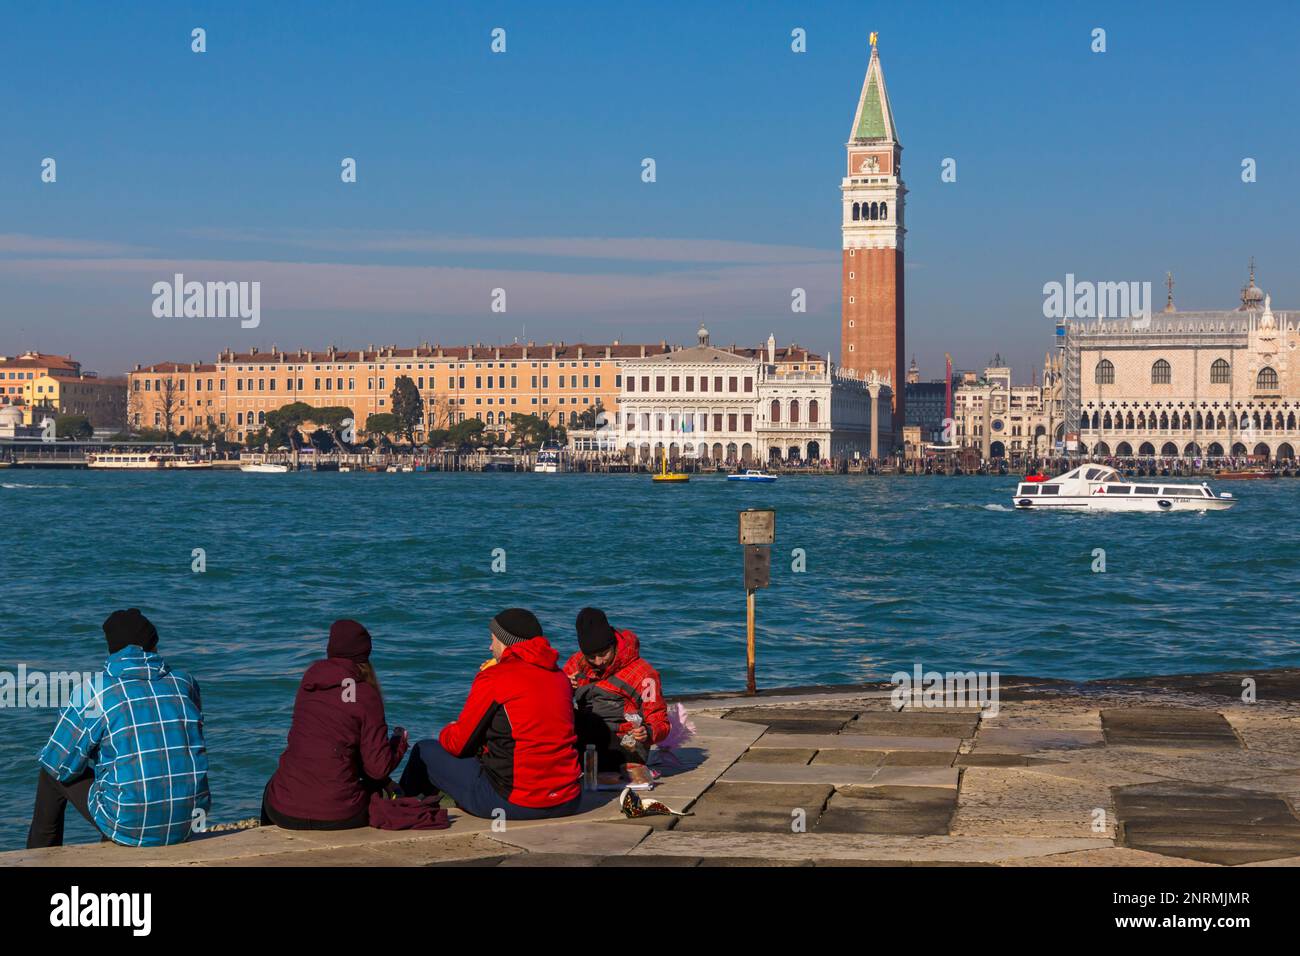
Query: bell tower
x=871 y=323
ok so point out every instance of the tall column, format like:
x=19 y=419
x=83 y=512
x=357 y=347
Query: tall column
x=873 y=389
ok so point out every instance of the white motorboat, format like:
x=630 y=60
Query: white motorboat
x=264 y=468
x=1097 y=487
x=550 y=460
x=751 y=474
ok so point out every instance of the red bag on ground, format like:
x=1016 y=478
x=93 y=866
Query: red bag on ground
x=406 y=813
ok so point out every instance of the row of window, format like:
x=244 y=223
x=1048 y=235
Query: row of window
x=673 y=383
x=336 y=384
x=1162 y=374
x=687 y=423
x=1166 y=422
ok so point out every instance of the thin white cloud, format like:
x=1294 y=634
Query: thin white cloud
x=753 y=288
x=27 y=245
x=639 y=249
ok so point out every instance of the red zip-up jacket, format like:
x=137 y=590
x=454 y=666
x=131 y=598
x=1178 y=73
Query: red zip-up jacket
x=630 y=678
x=518 y=720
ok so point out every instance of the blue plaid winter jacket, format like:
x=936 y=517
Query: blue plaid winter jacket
x=143 y=734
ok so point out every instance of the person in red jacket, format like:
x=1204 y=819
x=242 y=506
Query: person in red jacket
x=339 y=751
x=512 y=747
x=612 y=682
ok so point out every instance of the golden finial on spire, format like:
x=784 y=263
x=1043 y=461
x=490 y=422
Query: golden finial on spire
x=874 y=34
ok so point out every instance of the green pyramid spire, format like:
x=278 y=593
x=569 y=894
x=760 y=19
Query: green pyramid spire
x=874 y=120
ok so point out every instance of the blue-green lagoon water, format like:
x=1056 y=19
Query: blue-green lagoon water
x=899 y=571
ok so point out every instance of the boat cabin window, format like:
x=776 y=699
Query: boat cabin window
x=1049 y=489
x=1118 y=489
x=1092 y=474
x=1029 y=489
x=1147 y=490
x=1172 y=492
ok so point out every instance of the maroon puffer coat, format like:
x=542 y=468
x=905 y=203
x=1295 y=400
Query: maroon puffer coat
x=338 y=734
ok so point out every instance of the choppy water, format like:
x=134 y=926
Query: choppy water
x=932 y=570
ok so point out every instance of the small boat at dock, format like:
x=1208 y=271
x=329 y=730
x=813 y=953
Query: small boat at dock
x=752 y=474
x=264 y=468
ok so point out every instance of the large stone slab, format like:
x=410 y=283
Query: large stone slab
x=1206 y=822
x=1022 y=802
x=801 y=756
x=889 y=809
x=997 y=740
x=847 y=741
x=764 y=715
x=596 y=839
x=835 y=776
x=913 y=723
x=759 y=807
x=859 y=848
x=1168 y=727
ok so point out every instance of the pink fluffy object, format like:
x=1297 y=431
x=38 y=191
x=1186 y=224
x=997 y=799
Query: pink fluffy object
x=680 y=728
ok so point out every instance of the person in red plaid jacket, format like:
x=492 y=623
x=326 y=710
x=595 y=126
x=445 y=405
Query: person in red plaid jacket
x=610 y=682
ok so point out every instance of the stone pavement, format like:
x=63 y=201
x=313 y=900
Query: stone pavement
x=1169 y=771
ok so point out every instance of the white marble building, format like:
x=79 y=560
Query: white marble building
x=746 y=405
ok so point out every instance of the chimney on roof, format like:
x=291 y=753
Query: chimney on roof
x=607 y=349
x=309 y=356
x=497 y=352
x=643 y=351
x=579 y=351
x=253 y=350
x=137 y=366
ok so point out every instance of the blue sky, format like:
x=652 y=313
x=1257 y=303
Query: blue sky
x=523 y=170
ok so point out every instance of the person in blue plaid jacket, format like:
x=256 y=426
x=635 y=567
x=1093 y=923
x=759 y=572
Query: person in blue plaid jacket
x=129 y=754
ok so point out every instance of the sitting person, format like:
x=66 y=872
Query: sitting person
x=612 y=681
x=129 y=754
x=512 y=747
x=339 y=749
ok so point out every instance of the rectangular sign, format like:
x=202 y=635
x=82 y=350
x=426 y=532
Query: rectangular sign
x=758 y=566
x=757 y=526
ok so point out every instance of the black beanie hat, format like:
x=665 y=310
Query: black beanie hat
x=515 y=624
x=129 y=627
x=594 y=632
x=350 y=640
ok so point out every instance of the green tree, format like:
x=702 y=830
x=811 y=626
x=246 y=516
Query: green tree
x=591 y=417
x=407 y=406
x=466 y=434
x=73 y=426
x=383 y=423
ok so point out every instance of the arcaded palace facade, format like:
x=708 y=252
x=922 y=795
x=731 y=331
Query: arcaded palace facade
x=1187 y=384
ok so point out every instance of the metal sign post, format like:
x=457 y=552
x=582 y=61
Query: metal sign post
x=757 y=532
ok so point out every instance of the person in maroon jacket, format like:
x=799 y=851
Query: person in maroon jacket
x=512 y=747
x=611 y=681
x=339 y=751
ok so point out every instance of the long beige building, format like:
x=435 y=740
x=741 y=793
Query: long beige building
x=1187 y=384
x=231 y=396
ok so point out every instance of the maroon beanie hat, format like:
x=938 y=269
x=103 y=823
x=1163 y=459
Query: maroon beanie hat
x=348 y=639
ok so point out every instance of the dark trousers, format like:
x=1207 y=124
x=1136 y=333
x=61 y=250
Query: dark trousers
x=52 y=799
x=430 y=770
x=593 y=729
x=272 y=816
